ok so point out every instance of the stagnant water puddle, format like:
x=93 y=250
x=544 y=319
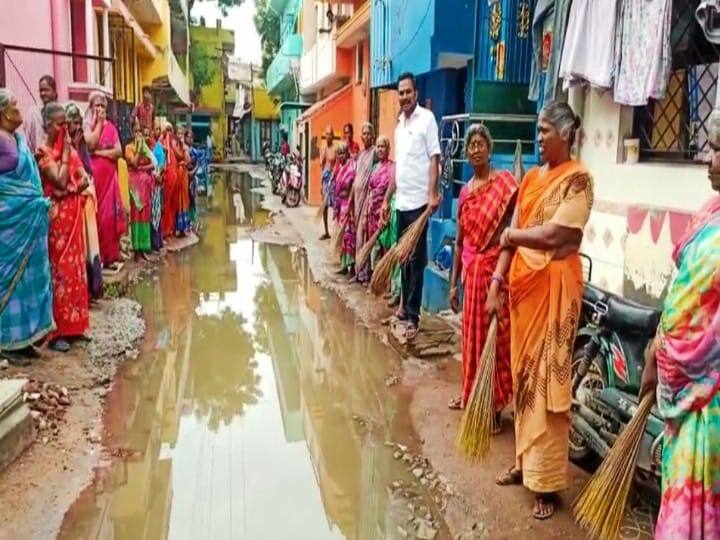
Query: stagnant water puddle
x=257 y=409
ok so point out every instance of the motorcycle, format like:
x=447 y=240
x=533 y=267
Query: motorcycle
x=606 y=370
x=277 y=166
x=291 y=189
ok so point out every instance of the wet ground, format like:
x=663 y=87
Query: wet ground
x=258 y=407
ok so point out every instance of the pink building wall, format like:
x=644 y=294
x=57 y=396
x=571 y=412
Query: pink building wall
x=41 y=24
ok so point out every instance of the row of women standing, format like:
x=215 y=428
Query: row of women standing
x=359 y=182
x=62 y=215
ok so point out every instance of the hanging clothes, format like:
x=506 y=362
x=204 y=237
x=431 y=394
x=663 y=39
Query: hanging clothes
x=642 y=51
x=548 y=34
x=589 y=51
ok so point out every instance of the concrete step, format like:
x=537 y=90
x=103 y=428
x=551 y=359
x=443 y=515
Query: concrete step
x=17 y=429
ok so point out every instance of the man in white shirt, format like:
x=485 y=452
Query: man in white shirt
x=415 y=186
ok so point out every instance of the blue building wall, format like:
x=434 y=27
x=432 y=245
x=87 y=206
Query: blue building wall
x=416 y=36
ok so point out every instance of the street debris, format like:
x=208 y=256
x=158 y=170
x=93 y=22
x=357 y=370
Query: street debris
x=48 y=404
x=114 y=334
x=391 y=380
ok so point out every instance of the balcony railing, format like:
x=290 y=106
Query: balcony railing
x=281 y=68
x=318 y=64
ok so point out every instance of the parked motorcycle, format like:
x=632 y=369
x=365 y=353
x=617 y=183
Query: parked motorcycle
x=291 y=189
x=606 y=371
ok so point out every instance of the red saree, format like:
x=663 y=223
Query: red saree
x=482 y=212
x=170 y=193
x=66 y=248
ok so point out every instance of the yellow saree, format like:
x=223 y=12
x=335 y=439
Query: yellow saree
x=545 y=301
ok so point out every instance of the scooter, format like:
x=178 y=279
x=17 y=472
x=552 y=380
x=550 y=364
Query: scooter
x=606 y=371
x=277 y=165
x=292 y=183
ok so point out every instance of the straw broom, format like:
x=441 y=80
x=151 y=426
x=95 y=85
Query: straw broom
x=600 y=507
x=398 y=254
x=478 y=419
x=366 y=250
x=339 y=234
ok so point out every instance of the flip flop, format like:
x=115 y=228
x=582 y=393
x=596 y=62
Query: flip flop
x=411 y=331
x=544 y=507
x=511 y=477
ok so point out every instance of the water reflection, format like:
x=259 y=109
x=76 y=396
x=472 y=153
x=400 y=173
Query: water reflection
x=257 y=409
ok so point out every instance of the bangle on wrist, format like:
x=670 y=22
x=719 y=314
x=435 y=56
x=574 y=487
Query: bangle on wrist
x=497 y=279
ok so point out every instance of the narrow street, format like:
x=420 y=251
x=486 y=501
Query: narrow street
x=265 y=403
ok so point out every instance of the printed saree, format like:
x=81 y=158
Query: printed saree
x=25 y=282
x=157 y=197
x=170 y=189
x=343 y=188
x=688 y=358
x=361 y=188
x=141 y=190
x=66 y=246
x=387 y=239
x=182 y=193
x=482 y=213
x=111 y=212
x=545 y=301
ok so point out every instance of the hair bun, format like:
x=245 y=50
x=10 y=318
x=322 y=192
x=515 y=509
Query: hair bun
x=578 y=121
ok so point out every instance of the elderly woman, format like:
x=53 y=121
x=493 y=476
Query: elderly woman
x=103 y=142
x=344 y=213
x=26 y=299
x=685 y=357
x=546 y=286
x=92 y=241
x=141 y=165
x=382 y=174
x=65 y=180
x=361 y=190
x=485 y=207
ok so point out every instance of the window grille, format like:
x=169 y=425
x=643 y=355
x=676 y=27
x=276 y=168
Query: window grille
x=675 y=128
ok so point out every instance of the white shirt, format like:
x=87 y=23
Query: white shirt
x=416 y=141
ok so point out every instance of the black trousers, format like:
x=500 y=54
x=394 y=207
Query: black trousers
x=413 y=270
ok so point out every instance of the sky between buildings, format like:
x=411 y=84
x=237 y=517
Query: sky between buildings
x=240 y=20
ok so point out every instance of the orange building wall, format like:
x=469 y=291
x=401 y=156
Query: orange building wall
x=389 y=110
x=334 y=114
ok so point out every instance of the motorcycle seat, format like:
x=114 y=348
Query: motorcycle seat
x=592 y=294
x=626 y=316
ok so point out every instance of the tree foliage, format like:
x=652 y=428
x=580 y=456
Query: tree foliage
x=201 y=64
x=224 y=5
x=267 y=24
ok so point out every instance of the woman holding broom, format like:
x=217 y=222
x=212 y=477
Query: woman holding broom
x=685 y=357
x=344 y=212
x=485 y=208
x=546 y=287
x=361 y=192
x=382 y=174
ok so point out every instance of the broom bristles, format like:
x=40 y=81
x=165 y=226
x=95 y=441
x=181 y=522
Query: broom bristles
x=398 y=254
x=478 y=419
x=366 y=250
x=600 y=507
x=339 y=235
x=382 y=273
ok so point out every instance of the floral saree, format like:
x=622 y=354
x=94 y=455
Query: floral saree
x=361 y=188
x=343 y=188
x=141 y=190
x=688 y=358
x=545 y=300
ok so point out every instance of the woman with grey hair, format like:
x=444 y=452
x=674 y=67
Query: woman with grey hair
x=343 y=209
x=485 y=207
x=365 y=162
x=546 y=287
x=65 y=181
x=25 y=290
x=103 y=142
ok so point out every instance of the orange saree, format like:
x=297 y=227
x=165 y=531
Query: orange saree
x=545 y=302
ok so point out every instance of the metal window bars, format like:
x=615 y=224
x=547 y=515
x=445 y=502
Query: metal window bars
x=675 y=128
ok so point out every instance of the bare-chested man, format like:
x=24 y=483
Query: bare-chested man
x=328 y=161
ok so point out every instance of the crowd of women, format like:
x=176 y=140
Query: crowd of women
x=62 y=213
x=517 y=260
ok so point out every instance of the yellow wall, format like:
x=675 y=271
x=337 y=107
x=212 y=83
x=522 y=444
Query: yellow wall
x=212 y=96
x=263 y=106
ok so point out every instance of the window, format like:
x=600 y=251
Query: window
x=359 y=60
x=676 y=127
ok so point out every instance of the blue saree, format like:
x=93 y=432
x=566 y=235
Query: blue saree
x=25 y=286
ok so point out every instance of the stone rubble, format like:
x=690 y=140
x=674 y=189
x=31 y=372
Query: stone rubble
x=115 y=334
x=48 y=404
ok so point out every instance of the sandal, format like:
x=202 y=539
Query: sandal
x=511 y=477
x=411 y=331
x=455 y=404
x=544 y=506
